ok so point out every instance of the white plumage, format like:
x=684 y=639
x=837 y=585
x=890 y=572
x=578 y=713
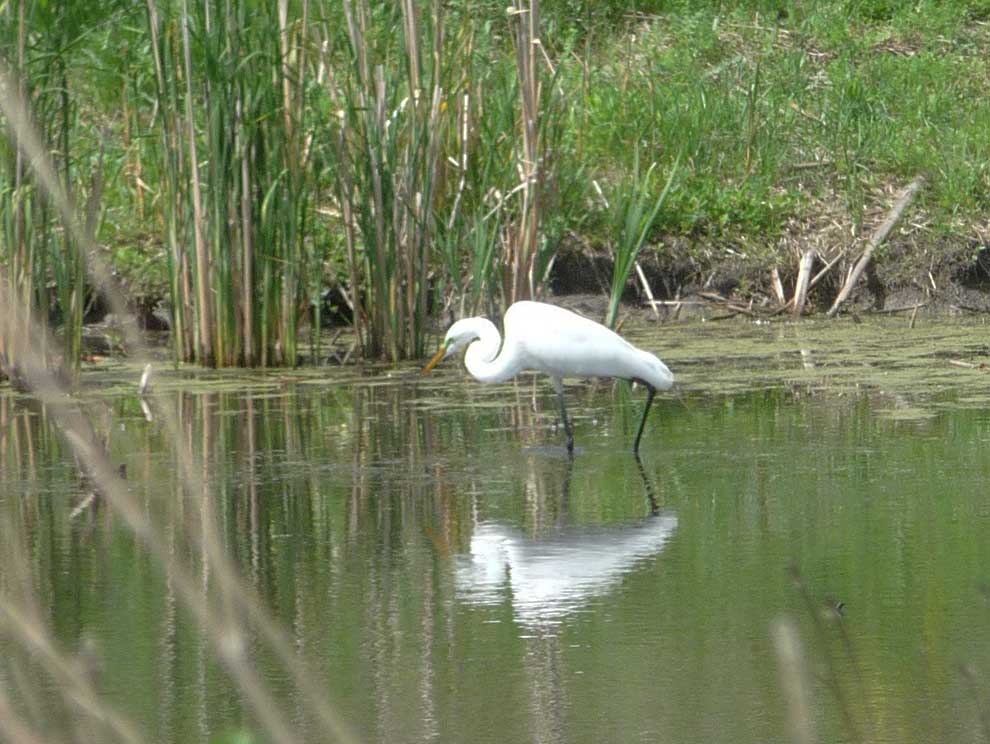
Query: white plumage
x=552 y=577
x=558 y=342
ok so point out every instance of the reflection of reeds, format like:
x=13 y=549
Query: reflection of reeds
x=223 y=496
x=221 y=612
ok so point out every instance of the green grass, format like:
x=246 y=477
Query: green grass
x=748 y=97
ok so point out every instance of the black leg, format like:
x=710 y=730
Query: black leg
x=563 y=415
x=646 y=412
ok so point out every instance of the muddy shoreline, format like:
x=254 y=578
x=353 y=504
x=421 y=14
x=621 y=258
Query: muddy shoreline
x=958 y=283
x=579 y=280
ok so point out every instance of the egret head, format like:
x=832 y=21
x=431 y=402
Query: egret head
x=459 y=335
x=660 y=378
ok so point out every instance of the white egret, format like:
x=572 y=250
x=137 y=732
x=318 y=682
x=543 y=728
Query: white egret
x=558 y=342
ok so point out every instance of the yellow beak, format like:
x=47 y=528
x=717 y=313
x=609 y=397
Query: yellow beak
x=435 y=360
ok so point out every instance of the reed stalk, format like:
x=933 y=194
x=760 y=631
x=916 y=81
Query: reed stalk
x=390 y=165
x=235 y=170
x=237 y=220
x=523 y=246
x=444 y=166
x=39 y=265
x=171 y=185
x=204 y=299
x=632 y=218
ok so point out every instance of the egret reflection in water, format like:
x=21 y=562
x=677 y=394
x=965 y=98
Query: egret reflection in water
x=552 y=576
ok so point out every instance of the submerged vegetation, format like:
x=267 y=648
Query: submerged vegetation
x=240 y=165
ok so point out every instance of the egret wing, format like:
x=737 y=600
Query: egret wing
x=564 y=344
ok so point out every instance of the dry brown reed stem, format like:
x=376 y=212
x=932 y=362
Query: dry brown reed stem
x=283 y=41
x=204 y=298
x=80 y=436
x=236 y=187
x=15 y=730
x=524 y=247
x=29 y=633
x=373 y=323
x=293 y=101
x=880 y=235
x=464 y=129
x=182 y=292
x=19 y=258
x=389 y=163
x=247 y=244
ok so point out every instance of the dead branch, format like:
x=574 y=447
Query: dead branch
x=906 y=197
x=966 y=365
x=817 y=277
x=801 y=289
x=646 y=289
x=778 y=286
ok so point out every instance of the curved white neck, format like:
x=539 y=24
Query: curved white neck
x=481 y=360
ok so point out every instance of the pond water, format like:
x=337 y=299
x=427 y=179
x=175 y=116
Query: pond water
x=448 y=575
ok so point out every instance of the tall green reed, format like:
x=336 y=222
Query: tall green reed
x=40 y=266
x=393 y=119
x=445 y=164
x=442 y=160
x=238 y=191
x=633 y=213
